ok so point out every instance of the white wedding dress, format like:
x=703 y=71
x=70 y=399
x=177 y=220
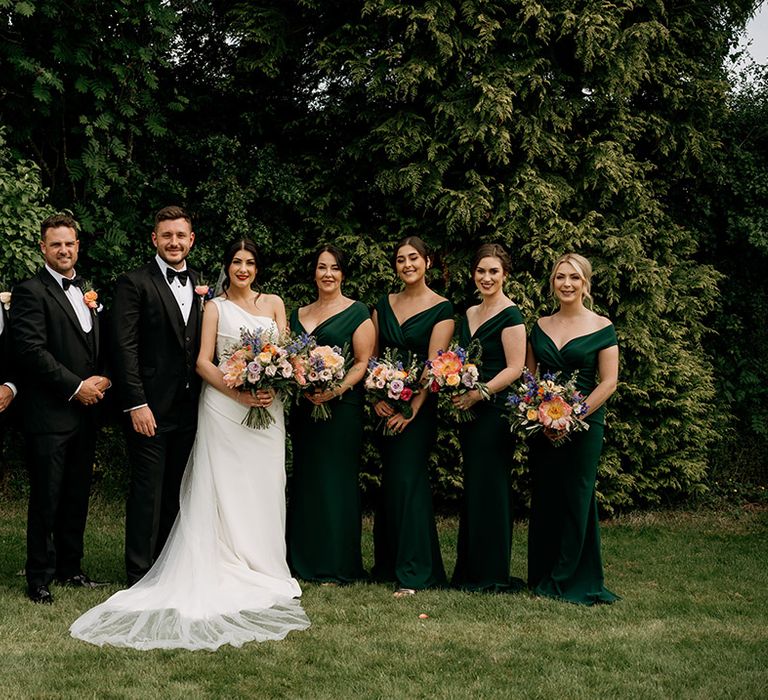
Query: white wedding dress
x=222 y=577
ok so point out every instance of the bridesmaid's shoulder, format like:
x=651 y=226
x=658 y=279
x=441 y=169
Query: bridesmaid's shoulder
x=600 y=322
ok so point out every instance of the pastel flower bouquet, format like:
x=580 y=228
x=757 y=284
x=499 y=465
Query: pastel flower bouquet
x=258 y=362
x=541 y=403
x=394 y=381
x=319 y=368
x=453 y=373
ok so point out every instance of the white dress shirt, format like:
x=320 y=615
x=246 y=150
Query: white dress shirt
x=183 y=293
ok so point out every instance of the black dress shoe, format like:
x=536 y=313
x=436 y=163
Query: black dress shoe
x=39 y=594
x=80 y=581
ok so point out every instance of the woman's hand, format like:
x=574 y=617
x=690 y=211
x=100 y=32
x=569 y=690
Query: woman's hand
x=555 y=436
x=318 y=397
x=398 y=422
x=383 y=409
x=466 y=400
x=258 y=399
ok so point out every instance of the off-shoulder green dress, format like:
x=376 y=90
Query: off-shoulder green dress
x=324 y=510
x=406 y=547
x=485 y=525
x=564 y=559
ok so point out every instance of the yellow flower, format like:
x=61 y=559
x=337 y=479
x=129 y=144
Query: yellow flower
x=453 y=380
x=265 y=357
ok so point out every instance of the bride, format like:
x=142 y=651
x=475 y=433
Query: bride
x=222 y=577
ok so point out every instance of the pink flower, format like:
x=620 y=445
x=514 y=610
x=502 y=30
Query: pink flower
x=555 y=413
x=201 y=290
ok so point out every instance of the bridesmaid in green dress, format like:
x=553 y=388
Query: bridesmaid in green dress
x=564 y=559
x=419 y=321
x=324 y=511
x=485 y=526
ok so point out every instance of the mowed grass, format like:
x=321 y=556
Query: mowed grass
x=693 y=624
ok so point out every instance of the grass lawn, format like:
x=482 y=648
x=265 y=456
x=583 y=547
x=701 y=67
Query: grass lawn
x=693 y=624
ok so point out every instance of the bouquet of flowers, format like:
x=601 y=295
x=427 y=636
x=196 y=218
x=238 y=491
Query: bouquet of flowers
x=258 y=362
x=541 y=403
x=452 y=373
x=318 y=368
x=389 y=379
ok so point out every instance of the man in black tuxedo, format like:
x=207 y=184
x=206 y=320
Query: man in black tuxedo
x=157 y=320
x=56 y=343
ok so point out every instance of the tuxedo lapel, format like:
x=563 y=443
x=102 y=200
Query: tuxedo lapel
x=95 y=329
x=169 y=302
x=57 y=293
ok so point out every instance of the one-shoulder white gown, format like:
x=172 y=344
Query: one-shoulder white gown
x=222 y=577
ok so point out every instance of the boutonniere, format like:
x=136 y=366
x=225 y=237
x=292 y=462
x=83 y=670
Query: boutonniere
x=91 y=299
x=204 y=291
x=5 y=300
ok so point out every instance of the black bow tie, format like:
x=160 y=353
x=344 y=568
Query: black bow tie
x=75 y=281
x=183 y=275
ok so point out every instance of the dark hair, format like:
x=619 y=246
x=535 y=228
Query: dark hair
x=229 y=255
x=414 y=242
x=338 y=256
x=492 y=250
x=171 y=214
x=56 y=220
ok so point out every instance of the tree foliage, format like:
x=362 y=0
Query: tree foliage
x=547 y=127
x=22 y=207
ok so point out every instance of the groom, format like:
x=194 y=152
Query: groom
x=157 y=319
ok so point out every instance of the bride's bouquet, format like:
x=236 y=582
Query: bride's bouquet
x=453 y=373
x=319 y=368
x=541 y=403
x=389 y=379
x=258 y=362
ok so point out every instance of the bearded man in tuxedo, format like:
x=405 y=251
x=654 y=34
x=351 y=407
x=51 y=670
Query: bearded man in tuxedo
x=157 y=321
x=59 y=369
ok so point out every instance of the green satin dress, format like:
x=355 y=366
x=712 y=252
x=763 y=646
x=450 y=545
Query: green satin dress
x=564 y=559
x=324 y=510
x=406 y=547
x=485 y=526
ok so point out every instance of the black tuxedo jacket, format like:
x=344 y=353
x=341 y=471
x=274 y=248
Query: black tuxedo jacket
x=154 y=351
x=52 y=355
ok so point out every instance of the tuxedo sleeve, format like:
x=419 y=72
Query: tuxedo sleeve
x=30 y=345
x=126 y=315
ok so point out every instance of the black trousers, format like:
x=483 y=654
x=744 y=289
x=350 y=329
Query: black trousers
x=60 y=466
x=157 y=466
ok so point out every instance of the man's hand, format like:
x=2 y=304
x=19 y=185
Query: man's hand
x=90 y=391
x=6 y=396
x=143 y=421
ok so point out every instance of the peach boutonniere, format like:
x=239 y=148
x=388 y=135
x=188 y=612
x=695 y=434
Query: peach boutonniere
x=91 y=299
x=5 y=300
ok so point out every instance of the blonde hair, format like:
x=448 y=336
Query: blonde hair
x=581 y=265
